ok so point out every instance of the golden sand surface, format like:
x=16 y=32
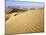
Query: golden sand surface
x=30 y=21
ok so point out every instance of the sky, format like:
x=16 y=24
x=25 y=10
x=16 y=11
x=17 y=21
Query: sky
x=17 y=3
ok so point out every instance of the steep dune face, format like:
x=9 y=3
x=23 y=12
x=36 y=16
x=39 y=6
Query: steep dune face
x=30 y=21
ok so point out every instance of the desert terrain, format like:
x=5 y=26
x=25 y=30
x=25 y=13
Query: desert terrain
x=27 y=21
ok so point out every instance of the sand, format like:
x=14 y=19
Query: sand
x=30 y=21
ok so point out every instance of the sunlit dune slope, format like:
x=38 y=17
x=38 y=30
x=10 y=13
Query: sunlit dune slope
x=30 y=21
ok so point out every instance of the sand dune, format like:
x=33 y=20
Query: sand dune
x=29 y=21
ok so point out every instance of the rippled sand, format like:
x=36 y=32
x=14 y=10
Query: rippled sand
x=30 y=21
